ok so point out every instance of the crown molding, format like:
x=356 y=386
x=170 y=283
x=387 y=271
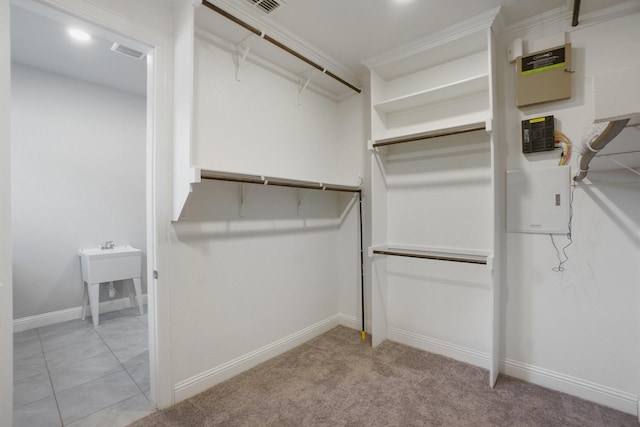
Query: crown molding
x=479 y=22
x=563 y=15
x=247 y=13
x=207 y=37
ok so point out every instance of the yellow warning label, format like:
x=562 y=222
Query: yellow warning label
x=538 y=120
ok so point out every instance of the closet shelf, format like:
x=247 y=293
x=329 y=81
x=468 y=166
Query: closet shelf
x=280 y=182
x=434 y=96
x=455 y=130
x=454 y=255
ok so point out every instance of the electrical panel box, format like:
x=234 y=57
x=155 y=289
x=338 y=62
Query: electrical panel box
x=538 y=134
x=544 y=76
x=538 y=200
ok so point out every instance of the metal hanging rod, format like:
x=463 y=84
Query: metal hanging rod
x=275 y=42
x=433 y=255
x=428 y=135
x=618 y=162
x=618 y=153
x=363 y=332
x=262 y=180
x=576 y=13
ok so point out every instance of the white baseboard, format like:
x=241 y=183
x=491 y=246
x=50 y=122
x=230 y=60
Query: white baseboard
x=207 y=379
x=620 y=400
x=51 y=318
x=432 y=345
x=607 y=396
x=352 y=322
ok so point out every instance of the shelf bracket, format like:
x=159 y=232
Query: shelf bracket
x=488 y=125
x=242 y=51
x=303 y=82
x=245 y=191
x=370 y=146
x=302 y=196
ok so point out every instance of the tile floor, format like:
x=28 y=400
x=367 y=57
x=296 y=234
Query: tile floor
x=72 y=374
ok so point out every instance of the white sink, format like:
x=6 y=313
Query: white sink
x=107 y=265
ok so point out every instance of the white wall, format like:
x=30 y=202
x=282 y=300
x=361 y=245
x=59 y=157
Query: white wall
x=354 y=132
x=438 y=195
x=6 y=299
x=256 y=126
x=578 y=330
x=78 y=159
x=246 y=282
x=248 y=287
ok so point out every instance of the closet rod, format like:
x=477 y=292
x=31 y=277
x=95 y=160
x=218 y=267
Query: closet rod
x=250 y=179
x=273 y=41
x=576 y=13
x=431 y=256
x=427 y=135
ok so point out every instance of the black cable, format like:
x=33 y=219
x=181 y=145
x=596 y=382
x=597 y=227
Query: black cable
x=361 y=264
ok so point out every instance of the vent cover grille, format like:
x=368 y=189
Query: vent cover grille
x=267 y=6
x=127 y=51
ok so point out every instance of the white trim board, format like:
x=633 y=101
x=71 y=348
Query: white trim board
x=53 y=317
x=583 y=389
x=432 y=345
x=603 y=395
x=209 y=378
x=607 y=396
x=353 y=322
x=562 y=16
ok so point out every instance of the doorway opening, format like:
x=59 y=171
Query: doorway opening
x=79 y=180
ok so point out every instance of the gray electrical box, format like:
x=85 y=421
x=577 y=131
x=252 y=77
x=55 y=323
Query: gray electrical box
x=538 y=200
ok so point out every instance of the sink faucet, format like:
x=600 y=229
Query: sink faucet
x=108 y=245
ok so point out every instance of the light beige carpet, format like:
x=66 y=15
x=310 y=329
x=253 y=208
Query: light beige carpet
x=337 y=380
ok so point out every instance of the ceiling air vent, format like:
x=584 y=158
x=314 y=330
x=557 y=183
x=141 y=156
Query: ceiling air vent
x=267 y=6
x=127 y=51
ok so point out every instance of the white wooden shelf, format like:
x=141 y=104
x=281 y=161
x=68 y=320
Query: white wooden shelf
x=445 y=192
x=431 y=97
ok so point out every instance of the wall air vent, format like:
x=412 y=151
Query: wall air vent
x=127 y=51
x=267 y=6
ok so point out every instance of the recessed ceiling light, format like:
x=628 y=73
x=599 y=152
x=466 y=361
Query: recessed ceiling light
x=78 y=34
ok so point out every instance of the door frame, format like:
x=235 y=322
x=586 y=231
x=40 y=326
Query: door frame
x=6 y=243
x=159 y=131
